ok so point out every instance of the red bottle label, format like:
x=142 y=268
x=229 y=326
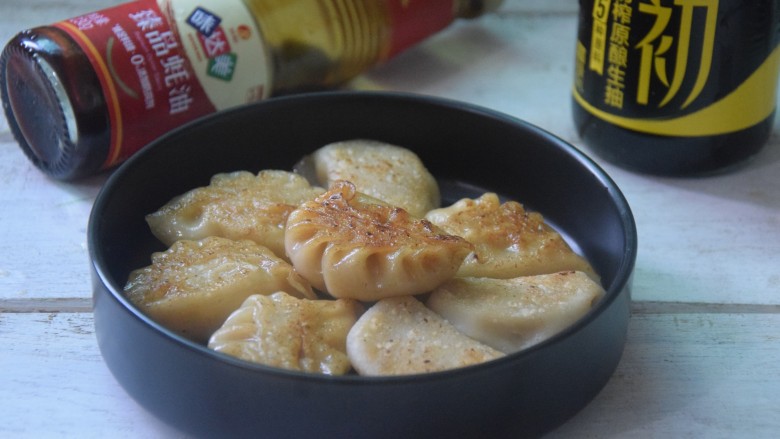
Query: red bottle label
x=414 y=20
x=163 y=66
x=148 y=82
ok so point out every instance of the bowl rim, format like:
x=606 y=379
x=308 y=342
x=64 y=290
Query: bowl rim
x=618 y=286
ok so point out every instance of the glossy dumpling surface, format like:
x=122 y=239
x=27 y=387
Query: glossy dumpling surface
x=390 y=173
x=194 y=285
x=513 y=314
x=400 y=336
x=236 y=205
x=365 y=251
x=509 y=241
x=283 y=331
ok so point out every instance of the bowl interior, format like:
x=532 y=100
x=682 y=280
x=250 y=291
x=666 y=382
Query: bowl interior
x=469 y=149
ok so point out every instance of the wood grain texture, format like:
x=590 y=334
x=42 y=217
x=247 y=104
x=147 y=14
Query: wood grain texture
x=681 y=375
x=690 y=375
x=55 y=384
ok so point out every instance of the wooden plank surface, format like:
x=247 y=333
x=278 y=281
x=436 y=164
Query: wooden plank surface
x=686 y=374
x=690 y=375
x=55 y=383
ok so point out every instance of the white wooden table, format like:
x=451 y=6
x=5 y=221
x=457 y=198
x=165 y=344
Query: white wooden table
x=703 y=352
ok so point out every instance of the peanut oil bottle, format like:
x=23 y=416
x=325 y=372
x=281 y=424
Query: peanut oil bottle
x=84 y=94
x=676 y=87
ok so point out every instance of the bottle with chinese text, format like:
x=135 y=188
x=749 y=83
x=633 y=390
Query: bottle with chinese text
x=84 y=94
x=676 y=87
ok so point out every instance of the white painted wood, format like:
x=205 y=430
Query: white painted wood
x=690 y=376
x=703 y=351
x=42 y=223
x=712 y=375
x=713 y=239
x=55 y=384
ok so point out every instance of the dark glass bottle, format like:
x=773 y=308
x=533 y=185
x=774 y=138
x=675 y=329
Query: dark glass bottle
x=62 y=125
x=84 y=94
x=676 y=87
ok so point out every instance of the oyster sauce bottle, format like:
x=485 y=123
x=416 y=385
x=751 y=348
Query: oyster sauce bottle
x=84 y=94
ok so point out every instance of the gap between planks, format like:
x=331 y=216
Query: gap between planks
x=84 y=305
x=64 y=305
x=658 y=307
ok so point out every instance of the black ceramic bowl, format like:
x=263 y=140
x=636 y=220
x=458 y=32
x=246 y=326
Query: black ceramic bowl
x=471 y=150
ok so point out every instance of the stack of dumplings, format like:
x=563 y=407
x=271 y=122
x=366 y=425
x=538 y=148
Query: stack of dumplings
x=355 y=267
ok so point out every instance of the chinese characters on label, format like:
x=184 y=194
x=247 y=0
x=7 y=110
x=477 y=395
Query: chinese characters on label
x=215 y=44
x=667 y=55
x=599 y=35
x=164 y=44
x=655 y=47
x=89 y=21
x=617 y=53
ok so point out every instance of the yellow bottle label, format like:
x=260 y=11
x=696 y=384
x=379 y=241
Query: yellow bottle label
x=678 y=67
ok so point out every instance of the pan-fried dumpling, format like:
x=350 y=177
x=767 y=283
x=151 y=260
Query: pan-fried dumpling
x=513 y=314
x=509 y=241
x=390 y=173
x=355 y=249
x=283 y=331
x=399 y=336
x=236 y=205
x=194 y=285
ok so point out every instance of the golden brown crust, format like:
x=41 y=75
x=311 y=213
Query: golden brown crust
x=351 y=248
x=509 y=241
x=399 y=336
x=194 y=285
x=387 y=172
x=283 y=331
x=236 y=205
x=513 y=314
